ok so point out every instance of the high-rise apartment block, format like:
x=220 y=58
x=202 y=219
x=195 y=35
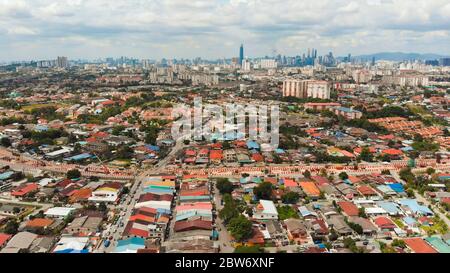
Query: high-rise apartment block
x=306 y=89
x=61 y=62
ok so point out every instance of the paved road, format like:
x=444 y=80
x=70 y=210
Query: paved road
x=43 y=206
x=117 y=229
x=425 y=201
x=436 y=210
x=224 y=236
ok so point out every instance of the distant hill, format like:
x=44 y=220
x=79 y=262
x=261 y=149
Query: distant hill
x=399 y=56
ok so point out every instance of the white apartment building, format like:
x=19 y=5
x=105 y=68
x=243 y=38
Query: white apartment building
x=306 y=89
x=246 y=66
x=268 y=64
x=362 y=76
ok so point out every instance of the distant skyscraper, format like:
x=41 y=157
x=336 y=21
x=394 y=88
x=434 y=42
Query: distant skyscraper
x=444 y=61
x=241 y=54
x=373 y=61
x=61 y=62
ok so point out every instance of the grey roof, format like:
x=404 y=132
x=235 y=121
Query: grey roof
x=21 y=240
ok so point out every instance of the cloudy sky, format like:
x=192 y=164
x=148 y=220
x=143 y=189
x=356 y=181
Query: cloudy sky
x=43 y=29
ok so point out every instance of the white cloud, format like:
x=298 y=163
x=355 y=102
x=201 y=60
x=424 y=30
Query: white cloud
x=215 y=28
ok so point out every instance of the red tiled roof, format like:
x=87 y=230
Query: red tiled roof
x=138 y=232
x=349 y=208
x=25 y=189
x=4 y=238
x=320 y=180
x=155 y=197
x=384 y=223
x=216 y=155
x=366 y=190
x=146 y=211
x=39 y=222
x=192 y=225
x=418 y=245
x=392 y=152
x=142 y=217
x=257 y=157
x=290 y=183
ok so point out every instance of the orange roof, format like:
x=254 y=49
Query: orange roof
x=142 y=218
x=257 y=157
x=349 y=208
x=358 y=150
x=216 y=154
x=346 y=153
x=80 y=194
x=290 y=183
x=4 y=238
x=354 y=179
x=418 y=245
x=40 y=222
x=310 y=188
x=24 y=190
x=366 y=190
x=392 y=152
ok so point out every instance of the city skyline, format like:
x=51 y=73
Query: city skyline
x=214 y=29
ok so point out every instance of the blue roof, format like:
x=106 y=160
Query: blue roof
x=415 y=207
x=279 y=151
x=79 y=157
x=256 y=179
x=244 y=180
x=409 y=220
x=6 y=175
x=397 y=187
x=407 y=149
x=194 y=197
x=192 y=213
x=390 y=207
x=444 y=177
x=347 y=110
x=439 y=244
x=252 y=145
x=152 y=147
x=157 y=190
x=135 y=241
x=71 y=250
x=163 y=211
x=40 y=127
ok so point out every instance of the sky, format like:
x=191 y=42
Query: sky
x=213 y=29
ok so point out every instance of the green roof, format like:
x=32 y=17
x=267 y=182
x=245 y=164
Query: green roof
x=438 y=244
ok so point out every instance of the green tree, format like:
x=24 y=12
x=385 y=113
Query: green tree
x=307 y=174
x=11 y=227
x=398 y=243
x=366 y=155
x=430 y=171
x=102 y=206
x=343 y=175
x=73 y=174
x=248 y=249
x=362 y=212
x=407 y=175
x=240 y=228
x=5 y=142
x=117 y=130
x=356 y=227
x=290 y=197
x=286 y=212
x=224 y=185
x=263 y=191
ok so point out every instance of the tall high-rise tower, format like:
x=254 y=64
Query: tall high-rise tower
x=241 y=54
